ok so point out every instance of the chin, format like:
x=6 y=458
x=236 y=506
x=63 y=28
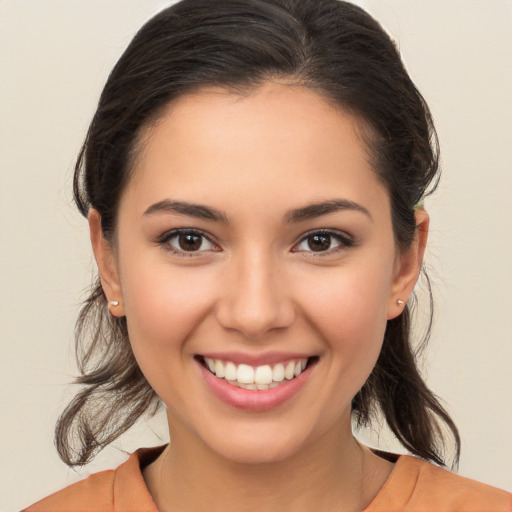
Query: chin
x=254 y=443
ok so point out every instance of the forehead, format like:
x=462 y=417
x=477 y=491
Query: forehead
x=277 y=139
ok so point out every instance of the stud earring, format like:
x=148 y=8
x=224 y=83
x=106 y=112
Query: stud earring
x=114 y=303
x=400 y=302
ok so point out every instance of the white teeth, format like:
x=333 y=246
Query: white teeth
x=230 y=371
x=259 y=377
x=263 y=375
x=248 y=386
x=278 y=373
x=219 y=369
x=289 y=371
x=244 y=374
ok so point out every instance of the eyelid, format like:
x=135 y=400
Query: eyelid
x=345 y=240
x=164 y=238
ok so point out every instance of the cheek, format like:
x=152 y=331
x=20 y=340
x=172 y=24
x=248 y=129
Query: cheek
x=349 y=309
x=163 y=306
x=163 y=309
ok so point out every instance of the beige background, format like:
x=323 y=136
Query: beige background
x=55 y=56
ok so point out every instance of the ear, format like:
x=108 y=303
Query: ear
x=408 y=267
x=107 y=265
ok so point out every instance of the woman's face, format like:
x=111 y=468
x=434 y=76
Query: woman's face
x=254 y=238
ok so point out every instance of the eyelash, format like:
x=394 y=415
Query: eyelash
x=175 y=233
x=345 y=242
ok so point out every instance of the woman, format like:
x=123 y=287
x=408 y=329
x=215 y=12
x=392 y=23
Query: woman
x=253 y=179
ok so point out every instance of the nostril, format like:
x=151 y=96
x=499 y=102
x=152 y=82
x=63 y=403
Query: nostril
x=253 y=301
x=255 y=320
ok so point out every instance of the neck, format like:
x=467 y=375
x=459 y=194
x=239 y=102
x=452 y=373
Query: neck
x=334 y=473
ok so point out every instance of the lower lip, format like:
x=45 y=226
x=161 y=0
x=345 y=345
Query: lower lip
x=251 y=399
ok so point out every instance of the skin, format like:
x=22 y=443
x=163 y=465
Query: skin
x=258 y=288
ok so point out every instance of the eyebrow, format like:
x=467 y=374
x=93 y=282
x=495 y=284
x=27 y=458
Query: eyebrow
x=304 y=213
x=315 y=210
x=191 y=209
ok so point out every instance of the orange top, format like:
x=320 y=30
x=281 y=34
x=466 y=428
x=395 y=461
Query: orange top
x=413 y=486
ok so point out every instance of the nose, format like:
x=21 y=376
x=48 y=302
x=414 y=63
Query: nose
x=255 y=299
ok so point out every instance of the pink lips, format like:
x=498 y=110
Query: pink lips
x=253 y=400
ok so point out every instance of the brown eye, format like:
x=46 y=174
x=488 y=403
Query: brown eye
x=190 y=242
x=324 y=242
x=187 y=242
x=318 y=243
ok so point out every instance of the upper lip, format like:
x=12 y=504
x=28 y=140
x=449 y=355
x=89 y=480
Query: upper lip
x=256 y=359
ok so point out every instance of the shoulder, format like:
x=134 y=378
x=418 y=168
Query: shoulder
x=122 y=489
x=92 y=494
x=416 y=485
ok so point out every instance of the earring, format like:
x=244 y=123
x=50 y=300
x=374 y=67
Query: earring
x=400 y=302
x=113 y=309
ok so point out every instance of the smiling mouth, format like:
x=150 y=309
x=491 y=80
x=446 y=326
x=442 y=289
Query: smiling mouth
x=256 y=377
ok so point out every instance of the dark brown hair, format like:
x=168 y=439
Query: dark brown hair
x=336 y=49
